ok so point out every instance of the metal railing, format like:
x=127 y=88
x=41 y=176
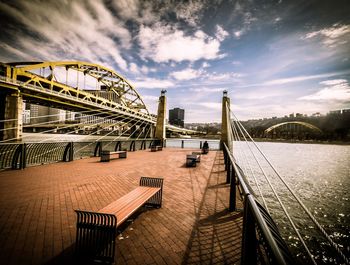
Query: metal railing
x=22 y=155
x=261 y=239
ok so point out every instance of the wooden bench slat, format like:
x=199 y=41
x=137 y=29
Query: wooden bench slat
x=127 y=198
x=129 y=203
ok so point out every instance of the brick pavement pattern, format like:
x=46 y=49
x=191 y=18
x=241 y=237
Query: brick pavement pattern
x=37 y=218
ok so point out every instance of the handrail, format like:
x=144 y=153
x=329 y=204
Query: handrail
x=250 y=202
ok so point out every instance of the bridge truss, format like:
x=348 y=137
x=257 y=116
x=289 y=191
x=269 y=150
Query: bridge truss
x=29 y=79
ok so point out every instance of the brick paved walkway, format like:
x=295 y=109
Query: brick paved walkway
x=37 y=221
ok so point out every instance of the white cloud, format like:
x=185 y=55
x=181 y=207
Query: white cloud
x=283 y=81
x=220 y=34
x=223 y=76
x=331 y=36
x=236 y=63
x=144 y=69
x=190 y=12
x=248 y=21
x=333 y=82
x=211 y=105
x=163 y=43
x=186 y=74
x=76 y=31
x=128 y=9
x=238 y=33
x=335 y=90
x=134 y=68
x=207 y=89
x=152 y=83
x=205 y=65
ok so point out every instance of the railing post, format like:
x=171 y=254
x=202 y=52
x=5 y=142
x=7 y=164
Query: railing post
x=132 y=146
x=228 y=169
x=19 y=157
x=232 y=205
x=225 y=159
x=71 y=151
x=118 y=146
x=249 y=241
x=182 y=143
x=23 y=156
x=98 y=149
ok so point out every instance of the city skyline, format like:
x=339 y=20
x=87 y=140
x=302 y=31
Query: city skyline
x=273 y=57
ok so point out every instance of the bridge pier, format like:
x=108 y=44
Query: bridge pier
x=11 y=108
x=160 y=126
x=226 y=132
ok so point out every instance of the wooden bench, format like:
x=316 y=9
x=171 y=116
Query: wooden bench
x=106 y=155
x=96 y=231
x=155 y=148
x=191 y=160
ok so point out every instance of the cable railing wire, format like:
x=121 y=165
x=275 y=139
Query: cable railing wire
x=252 y=172
x=54 y=149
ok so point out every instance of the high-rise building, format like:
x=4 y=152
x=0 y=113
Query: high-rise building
x=177 y=117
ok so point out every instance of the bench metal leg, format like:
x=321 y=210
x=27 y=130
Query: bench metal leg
x=156 y=199
x=122 y=155
x=96 y=233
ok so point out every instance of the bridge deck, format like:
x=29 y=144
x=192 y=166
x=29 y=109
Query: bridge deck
x=37 y=221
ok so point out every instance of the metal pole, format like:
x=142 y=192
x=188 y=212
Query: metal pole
x=182 y=144
x=232 y=206
x=23 y=156
x=249 y=241
x=71 y=151
x=228 y=171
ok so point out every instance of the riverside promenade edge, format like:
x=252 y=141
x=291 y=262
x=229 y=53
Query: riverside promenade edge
x=37 y=218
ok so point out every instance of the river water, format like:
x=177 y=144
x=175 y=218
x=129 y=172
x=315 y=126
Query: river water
x=319 y=174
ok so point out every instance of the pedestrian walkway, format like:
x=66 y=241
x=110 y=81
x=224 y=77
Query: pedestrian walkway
x=37 y=218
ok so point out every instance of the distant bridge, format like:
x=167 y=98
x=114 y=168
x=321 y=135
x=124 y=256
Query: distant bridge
x=305 y=124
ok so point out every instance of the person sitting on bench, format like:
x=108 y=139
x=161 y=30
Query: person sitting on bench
x=205 y=148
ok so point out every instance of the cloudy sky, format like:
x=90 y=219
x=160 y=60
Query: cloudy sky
x=273 y=57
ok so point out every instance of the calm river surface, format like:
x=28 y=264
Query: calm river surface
x=319 y=174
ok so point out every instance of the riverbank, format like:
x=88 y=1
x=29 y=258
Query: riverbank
x=217 y=137
x=291 y=141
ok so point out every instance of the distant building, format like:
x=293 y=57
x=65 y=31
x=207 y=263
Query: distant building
x=177 y=117
x=335 y=112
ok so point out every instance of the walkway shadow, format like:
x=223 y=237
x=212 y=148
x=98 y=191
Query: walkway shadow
x=220 y=185
x=216 y=235
x=215 y=240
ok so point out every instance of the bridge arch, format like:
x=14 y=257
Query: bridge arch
x=113 y=81
x=305 y=124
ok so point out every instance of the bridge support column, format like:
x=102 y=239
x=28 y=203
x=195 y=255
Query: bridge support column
x=11 y=108
x=226 y=133
x=160 y=126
